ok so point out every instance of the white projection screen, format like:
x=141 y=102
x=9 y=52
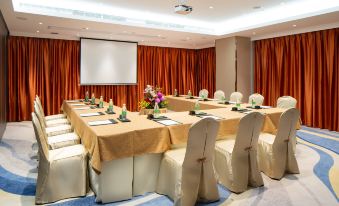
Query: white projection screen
x=106 y=62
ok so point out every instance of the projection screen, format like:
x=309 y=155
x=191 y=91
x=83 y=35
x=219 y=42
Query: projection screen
x=106 y=62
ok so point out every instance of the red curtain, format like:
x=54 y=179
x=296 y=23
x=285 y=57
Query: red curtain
x=50 y=68
x=304 y=66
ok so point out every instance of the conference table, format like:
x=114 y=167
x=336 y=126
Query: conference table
x=142 y=137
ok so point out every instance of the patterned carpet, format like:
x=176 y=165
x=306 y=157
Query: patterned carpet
x=317 y=184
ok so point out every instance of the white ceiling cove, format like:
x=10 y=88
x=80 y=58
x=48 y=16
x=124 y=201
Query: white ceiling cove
x=153 y=22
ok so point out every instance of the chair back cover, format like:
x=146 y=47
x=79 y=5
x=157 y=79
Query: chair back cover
x=236 y=96
x=244 y=155
x=198 y=177
x=39 y=115
x=38 y=101
x=43 y=146
x=283 y=142
x=258 y=98
x=203 y=92
x=286 y=102
x=219 y=95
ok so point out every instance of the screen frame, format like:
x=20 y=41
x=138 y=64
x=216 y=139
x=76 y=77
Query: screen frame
x=102 y=84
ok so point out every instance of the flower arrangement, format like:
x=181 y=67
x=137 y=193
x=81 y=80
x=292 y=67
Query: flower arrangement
x=151 y=96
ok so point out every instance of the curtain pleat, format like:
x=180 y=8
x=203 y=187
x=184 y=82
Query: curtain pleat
x=304 y=66
x=51 y=69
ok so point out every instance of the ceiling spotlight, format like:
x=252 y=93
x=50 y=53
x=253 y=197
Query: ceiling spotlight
x=37 y=31
x=85 y=28
x=211 y=7
x=40 y=23
x=142 y=40
x=256 y=7
x=159 y=35
x=294 y=25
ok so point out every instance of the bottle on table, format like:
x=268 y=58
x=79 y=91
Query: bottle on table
x=238 y=103
x=156 y=110
x=196 y=107
x=101 y=102
x=124 y=112
x=253 y=103
x=93 y=99
x=189 y=94
x=175 y=92
x=86 y=96
x=110 y=106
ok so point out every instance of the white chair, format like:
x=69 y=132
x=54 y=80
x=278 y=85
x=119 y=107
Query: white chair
x=275 y=152
x=219 y=95
x=257 y=98
x=236 y=96
x=62 y=173
x=286 y=102
x=58 y=141
x=203 y=93
x=58 y=118
x=58 y=136
x=186 y=175
x=236 y=159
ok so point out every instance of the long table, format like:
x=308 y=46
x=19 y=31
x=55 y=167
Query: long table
x=143 y=136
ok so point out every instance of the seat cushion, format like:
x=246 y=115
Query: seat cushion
x=56 y=122
x=176 y=155
x=57 y=130
x=267 y=138
x=66 y=152
x=57 y=116
x=63 y=140
x=225 y=146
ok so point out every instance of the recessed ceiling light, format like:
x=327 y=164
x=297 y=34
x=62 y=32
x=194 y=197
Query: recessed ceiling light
x=86 y=28
x=40 y=23
x=37 y=31
x=294 y=25
x=142 y=40
x=211 y=7
x=159 y=35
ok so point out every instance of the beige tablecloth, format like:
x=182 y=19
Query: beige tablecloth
x=142 y=136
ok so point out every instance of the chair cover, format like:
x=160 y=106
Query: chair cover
x=186 y=175
x=286 y=102
x=53 y=130
x=258 y=98
x=236 y=96
x=203 y=92
x=62 y=172
x=219 y=95
x=50 y=117
x=276 y=155
x=236 y=159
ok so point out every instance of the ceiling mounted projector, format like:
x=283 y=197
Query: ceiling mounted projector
x=183 y=9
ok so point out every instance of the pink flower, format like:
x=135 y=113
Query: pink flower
x=160 y=94
x=162 y=99
x=157 y=100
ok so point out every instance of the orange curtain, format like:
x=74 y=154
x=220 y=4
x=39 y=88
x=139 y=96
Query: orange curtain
x=50 y=68
x=304 y=66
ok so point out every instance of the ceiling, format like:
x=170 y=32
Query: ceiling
x=153 y=22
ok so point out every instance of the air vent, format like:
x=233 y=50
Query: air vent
x=54 y=33
x=21 y=18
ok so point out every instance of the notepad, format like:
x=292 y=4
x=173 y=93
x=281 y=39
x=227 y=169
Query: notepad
x=211 y=116
x=102 y=122
x=78 y=104
x=76 y=100
x=82 y=108
x=265 y=107
x=91 y=114
x=168 y=122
